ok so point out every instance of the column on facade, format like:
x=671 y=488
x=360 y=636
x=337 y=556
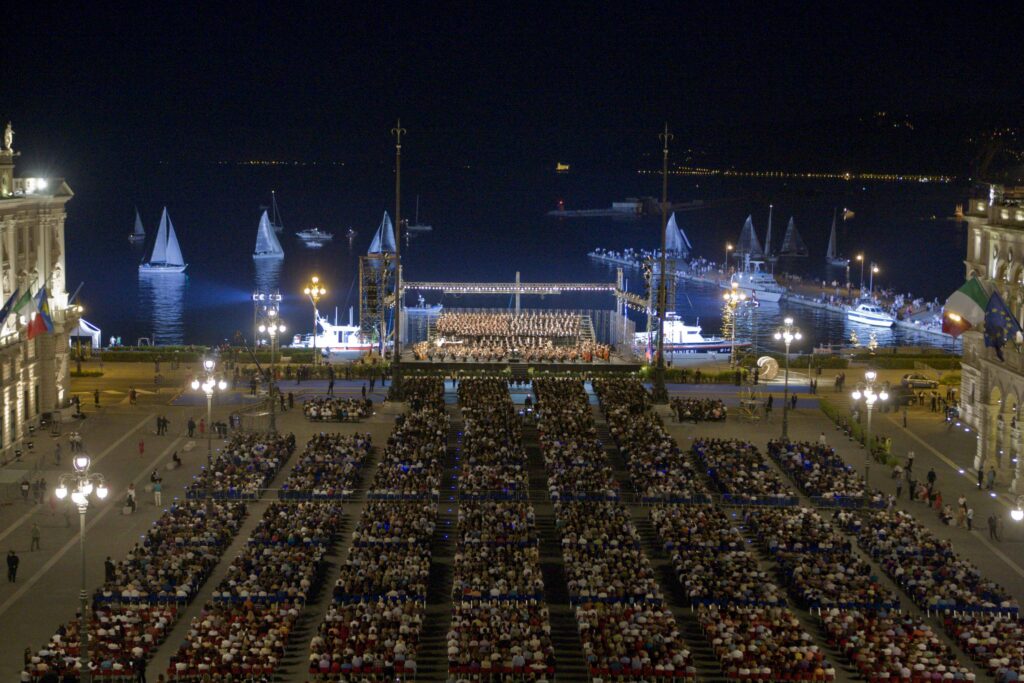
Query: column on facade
x=1016 y=446
x=985 y=426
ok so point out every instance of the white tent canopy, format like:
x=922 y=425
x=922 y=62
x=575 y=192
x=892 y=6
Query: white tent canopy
x=86 y=329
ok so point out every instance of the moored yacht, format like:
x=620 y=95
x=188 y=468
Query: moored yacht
x=869 y=313
x=683 y=338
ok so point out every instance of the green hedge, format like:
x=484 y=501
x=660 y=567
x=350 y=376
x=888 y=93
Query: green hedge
x=908 y=362
x=87 y=373
x=120 y=356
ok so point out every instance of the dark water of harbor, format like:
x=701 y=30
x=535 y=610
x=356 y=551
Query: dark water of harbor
x=488 y=223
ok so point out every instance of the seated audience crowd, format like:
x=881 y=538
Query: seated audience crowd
x=688 y=409
x=816 y=562
x=410 y=465
x=994 y=641
x=244 y=629
x=142 y=596
x=372 y=627
x=740 y=472
x=820 y=473
x=337 y=409
x=573 y=456
x=329 y=467
x=493 y=463
x=244 y=467
x=657 y=468
x=928 y=569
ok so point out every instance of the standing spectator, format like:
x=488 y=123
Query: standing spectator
x=96 y=397
x=36 y=536
x=142 y=447
x=25 y=486
x=12 y=566
x=822 y=441
x=931 y=477
x=910 y=461
x=202 y=426
x=108 y=570
x=981 y=477
x=131 y=497
x=191 y=427
x=157 y=488
x=970 y=519
x=132 y=396
x=993 y=528
x=899 y=488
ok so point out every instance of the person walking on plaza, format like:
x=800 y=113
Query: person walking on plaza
x=36 y=536
x=96 y=397
x=130 y=500
x=981 y=477
x=899 y=488
x=108 y=570
x=12 y=566
x=822 y=441
x=970 y=519
x=931 y=477
x=792 y=402
x=991 y=479
x=25 y=486
x=191 y=427
x=56 y=454
x=904 y=417
x=157 y=488
x=142 y=447
x=910 y=461
x=330 y=387
x=202 y=427
x=993 y=528
x=133 y=398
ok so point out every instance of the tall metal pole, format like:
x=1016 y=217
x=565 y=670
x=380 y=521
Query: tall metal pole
x=396 y=355
x=660 y=393
x=785 y=399
x=867 y=453
x=83 y=654
x=273 y=381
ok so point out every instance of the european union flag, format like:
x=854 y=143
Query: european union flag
x=1000 y=325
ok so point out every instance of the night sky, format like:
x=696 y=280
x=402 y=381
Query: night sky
x=106 y=86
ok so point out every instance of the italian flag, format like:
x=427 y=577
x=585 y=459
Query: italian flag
x=965 y=309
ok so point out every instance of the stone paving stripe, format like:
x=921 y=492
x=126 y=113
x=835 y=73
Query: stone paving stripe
x=25 y=517
x=111 y=505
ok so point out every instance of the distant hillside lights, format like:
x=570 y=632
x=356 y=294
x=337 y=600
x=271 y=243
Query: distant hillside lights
x=883 y=177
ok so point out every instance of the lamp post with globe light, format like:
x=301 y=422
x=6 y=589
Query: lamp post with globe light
x=866 y=390
x=733 y=296
x=209 y=385
x=1017 y=513
x=728 y=248
x=860 y=286
x=273 y=327
x=314 y=290
x=80 y=485
x=787 y=334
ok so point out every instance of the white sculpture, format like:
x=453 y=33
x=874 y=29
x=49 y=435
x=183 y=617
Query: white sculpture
x=9 y=138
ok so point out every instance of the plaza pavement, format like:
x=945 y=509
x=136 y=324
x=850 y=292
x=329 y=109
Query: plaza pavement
x=46 y=592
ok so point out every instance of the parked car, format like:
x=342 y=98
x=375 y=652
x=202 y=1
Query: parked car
x=918 y=381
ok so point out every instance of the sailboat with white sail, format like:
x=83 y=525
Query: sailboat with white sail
x=417 y=226
x=768 y=256
x=830 y=254
x=792 y=243
x=267 y=244
x=677 y=244
x=139 y=234
x=166 y=255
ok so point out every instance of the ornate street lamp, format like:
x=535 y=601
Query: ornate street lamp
x=314 y=290
x=866 y=390
x=733 y=296
x=860 y=286
x=81 y=484
x=728 y=248
x=787 y=334
x=209 y=385
x=273 y=327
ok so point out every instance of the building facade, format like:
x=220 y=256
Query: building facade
x=991 y=390
x=34 y=374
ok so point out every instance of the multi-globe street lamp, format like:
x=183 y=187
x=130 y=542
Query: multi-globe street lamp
x=273 y=327
x=209 y=385
x=733 y=296
x=728 y=248
x=871 y=278
x=866 y=390
x=80 y=485
x=860 y=285
x=787 y=334
x=314 y=290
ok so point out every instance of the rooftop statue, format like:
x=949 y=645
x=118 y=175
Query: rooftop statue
x=8 y=138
